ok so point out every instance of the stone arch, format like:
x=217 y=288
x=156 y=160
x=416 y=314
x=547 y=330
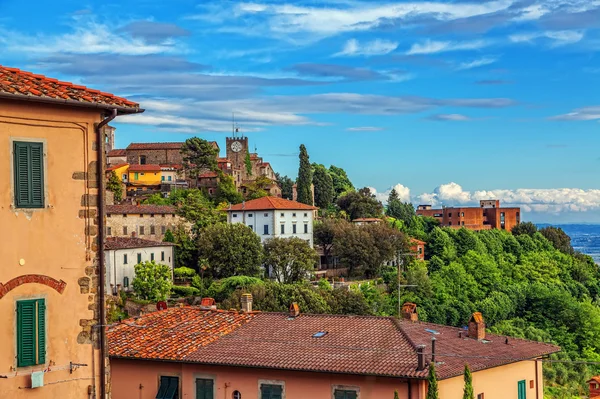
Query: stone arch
x=58 y=286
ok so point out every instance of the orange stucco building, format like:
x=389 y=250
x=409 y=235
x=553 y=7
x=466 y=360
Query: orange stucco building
x=200 y=353
x=51 y=137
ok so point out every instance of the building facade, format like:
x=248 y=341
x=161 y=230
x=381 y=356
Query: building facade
x=51 y=168
x=149 y=222
x=123 y=253
x=488 y=216
x=256 y=355
x=271 y=217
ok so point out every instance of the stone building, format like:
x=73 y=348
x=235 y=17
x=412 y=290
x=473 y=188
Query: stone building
x=157 y=153
x=488 y=216
x=150 y=222
x=52 y=213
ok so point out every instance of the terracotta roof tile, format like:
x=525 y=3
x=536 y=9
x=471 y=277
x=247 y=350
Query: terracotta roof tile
x=144 y=168
x=595 y=378
x=268 y=203
x=208 y=175
x=117 y=153
x=361 y=345
x=171 y=334
x=140 y=209
x=132 y=242
x=14 y=81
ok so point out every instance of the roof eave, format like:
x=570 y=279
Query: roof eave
x=71 y=103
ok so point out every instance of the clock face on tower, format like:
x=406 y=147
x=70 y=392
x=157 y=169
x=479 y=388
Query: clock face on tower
x=236 y=146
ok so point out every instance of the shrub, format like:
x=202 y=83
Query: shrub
x=183 y=292
x=152 y=281
x=184 y=272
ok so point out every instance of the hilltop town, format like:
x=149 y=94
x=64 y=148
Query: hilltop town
x=179 y=270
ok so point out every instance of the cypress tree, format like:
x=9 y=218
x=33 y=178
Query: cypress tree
x=432 y=392
x=304 y=181
x=468 y=391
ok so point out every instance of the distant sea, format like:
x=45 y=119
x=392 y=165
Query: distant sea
x=584 y=238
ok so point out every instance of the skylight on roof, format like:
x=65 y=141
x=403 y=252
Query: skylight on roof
x=319 y=334
x=432 y=331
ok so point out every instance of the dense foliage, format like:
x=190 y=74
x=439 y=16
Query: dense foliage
x=360 y=204
x=289 y=259
x=199 y=156
x=323 y=186
x=286 y=185
x=152 y=281
x=115 y=185
x=304 y=181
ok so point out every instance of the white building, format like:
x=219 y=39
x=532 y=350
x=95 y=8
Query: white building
x=271 y=217
x=123 y=253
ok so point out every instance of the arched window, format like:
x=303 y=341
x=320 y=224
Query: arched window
x=236 y=395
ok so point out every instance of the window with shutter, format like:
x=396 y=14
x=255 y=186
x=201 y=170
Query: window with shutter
x=344 y=394
x=28 y=174
x=31 y=332
x=269 y=391
x=168 y=388
x=204 y=388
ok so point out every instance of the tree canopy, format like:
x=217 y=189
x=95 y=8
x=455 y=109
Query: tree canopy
x=323 y=186
x=289 y=259
x=305 y=178
x=360 y=204
x=152 y=281
x=341 y=182
x=198 y=155
x=286 y=185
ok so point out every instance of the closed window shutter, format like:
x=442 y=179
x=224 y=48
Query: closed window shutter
x=204 y=389
x=271 y=391
x=41 y=330
x=26 y=315
x=276 y=392
x=37 y=175
x=29 y=174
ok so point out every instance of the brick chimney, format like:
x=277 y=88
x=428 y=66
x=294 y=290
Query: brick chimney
x=477 y=327
x=294 y=310
x=409 y=312
x=594 y=384
x=246 y=303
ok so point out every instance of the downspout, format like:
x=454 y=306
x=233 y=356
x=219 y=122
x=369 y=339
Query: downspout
x=101 y=260
x=537 y=387
x=409 y=390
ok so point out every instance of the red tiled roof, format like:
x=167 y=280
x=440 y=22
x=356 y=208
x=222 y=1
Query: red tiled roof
x=114 y=167
x=267 y=203
x=171 y=334
x=595 y=378
x=117 y=153
x=360 y=345
x=26 y=85
x=132 y=242
x=140 y=209
x=208 y=175
x=221 y=160
x=144 y=168
x=417 y=242
x=171 y=166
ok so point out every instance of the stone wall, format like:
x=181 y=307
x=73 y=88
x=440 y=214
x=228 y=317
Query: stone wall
x=155 y=157
x=133 y=222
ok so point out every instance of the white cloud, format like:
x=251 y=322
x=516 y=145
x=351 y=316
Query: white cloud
x=580 y=114
x=403 y=193
x=375 y=47
x=556 y=200
x=449 y=117
x=557 y=38
x=477 y=63
x=532 y=12
x=87 y=37
x=432 y=47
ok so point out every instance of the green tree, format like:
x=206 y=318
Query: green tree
x=231 y=250
x=286 y=185
x=289 y=259
x=341 y=182
x=226 y=190
x=468 y=389
x=152 y=281
x=399 y=210
x=559 y=239
x=248 y=164
x=304 y=181
x=186 y=253
x=198 y=210
x=524 y=228
x=115 y=185
x=323 y=186
x=169 y=237
x=324 y=234
x=441 y=245
x=198 y=156
x=354 y=247
x=360 y=204
x=258 y=188
x=432 y=385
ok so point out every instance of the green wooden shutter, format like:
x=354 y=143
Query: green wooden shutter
x=29 y=174
x=341 y=394
x=26 y=315
x=41 y=330
x=271 y=391
x=204 y=388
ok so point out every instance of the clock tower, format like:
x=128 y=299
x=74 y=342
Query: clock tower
x=237 y=148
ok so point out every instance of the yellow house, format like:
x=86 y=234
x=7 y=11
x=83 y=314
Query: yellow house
x=143 y=177
x=51 y=169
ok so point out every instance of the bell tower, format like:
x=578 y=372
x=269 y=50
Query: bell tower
x=237 y=148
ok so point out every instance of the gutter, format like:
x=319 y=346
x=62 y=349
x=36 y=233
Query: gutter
x=71 y=103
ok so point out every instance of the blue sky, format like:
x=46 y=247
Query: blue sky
x=449 y=102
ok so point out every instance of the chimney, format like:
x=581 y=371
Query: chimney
x=294 y=310
x=433 y=349
x=477 y=327
x=420 y=358
x=246 y=303
x=409 y=312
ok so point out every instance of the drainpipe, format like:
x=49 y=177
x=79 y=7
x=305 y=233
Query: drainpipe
x=101 y=260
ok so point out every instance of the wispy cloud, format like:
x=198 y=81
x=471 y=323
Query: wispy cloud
x=580 y=114
x=154 y=32
x=365 y=129
x=375 y=47
x=494 y=82
x=476 y=63
x=337 y=71
x=449 y=117
x=557 y=38
x=432 y=47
